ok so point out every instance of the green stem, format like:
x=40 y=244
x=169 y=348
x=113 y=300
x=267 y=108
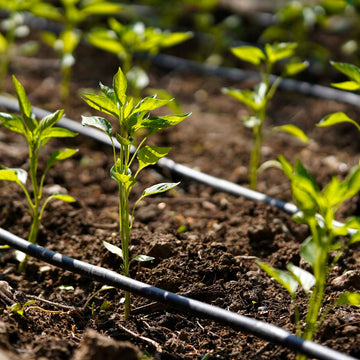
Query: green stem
x=255 y=156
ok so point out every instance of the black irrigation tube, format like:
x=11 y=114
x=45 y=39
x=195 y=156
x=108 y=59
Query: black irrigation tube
x=303 y=87
x=236 y=321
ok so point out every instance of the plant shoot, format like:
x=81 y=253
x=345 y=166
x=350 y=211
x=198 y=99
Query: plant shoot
x=37 y=134
x=317 y=209
x=134 y=121
x=256 y=100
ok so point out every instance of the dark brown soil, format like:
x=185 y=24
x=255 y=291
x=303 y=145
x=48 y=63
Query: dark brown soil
x=205 y=242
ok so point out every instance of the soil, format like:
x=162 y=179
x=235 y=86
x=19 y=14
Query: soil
x=205 y=242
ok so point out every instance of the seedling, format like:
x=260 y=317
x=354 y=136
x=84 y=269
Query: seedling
x=317 y=209
x=353 y=84
x=71 y=14
x=14 y=27
x=37 y=134
x=133 y=121
x=256 y=101
x=125 y=40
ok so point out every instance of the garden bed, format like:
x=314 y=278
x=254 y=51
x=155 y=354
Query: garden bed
x=205 y=242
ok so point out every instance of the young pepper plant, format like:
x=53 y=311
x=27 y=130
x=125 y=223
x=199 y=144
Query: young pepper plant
x=257 y=100
x=317 y=209
x=133 y=120
x=125 y=40
x=71 y=14
x=37 y=134
x=13 y=27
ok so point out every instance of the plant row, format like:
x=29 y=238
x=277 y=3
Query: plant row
x=136 y=122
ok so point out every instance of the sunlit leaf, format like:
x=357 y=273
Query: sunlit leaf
x=309 y=251
x=101 y=103
x=14 y=175
x=336 y=118
x=304 y=278
x=282 y=277
x=250 y=54
x=50 y=120
x=143 y=258
x=350 y=70
x=292 y=130
x=56 y=132
x=148 y=104
x=149 y=155
x=120 y=86
x=13 y=123
x=158 y=188
x=62 y=197
x=25 y=106
x=59 y=155
x=349 y=298
x=279 y=51
x=347 y=85
x=101 y=8
x=113 y=249
x=97 y=122
x=292 y=69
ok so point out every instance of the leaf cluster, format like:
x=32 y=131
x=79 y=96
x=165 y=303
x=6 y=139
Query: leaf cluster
x=317 y=209
x=353 y=73
x=37 y=134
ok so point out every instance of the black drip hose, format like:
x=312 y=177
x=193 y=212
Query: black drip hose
x=238 y=322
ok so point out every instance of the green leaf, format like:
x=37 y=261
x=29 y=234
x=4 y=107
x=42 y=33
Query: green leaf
x=292 y=130
x=282 y=277
x=250 y=54
x=59 y=155
x=173 y=105
x=336 y=118
x=101 y=8
x=97 y=122
x=62 y=197
x=101 y=103
x=286 y=167
x=120 y=86
x=348 y=298
x=113 y=249
x=347 y=85
x=148 y=104
x=143 y=258
x=101 y=40
x=56 y=132
x=163 y=122
x=13 y=123
x=25 y=106
x=246 y=97
x=279 y=51
x=123 y=141
x=309 y=251
x=350 y=70
x=303 y=277
x=15 y=175
x=149 y=155
x=158 y=188
x=127 y=180
x=70 y=39
x=292 y=69
x=352 y=182
x=355 y=238
x=50 y=120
